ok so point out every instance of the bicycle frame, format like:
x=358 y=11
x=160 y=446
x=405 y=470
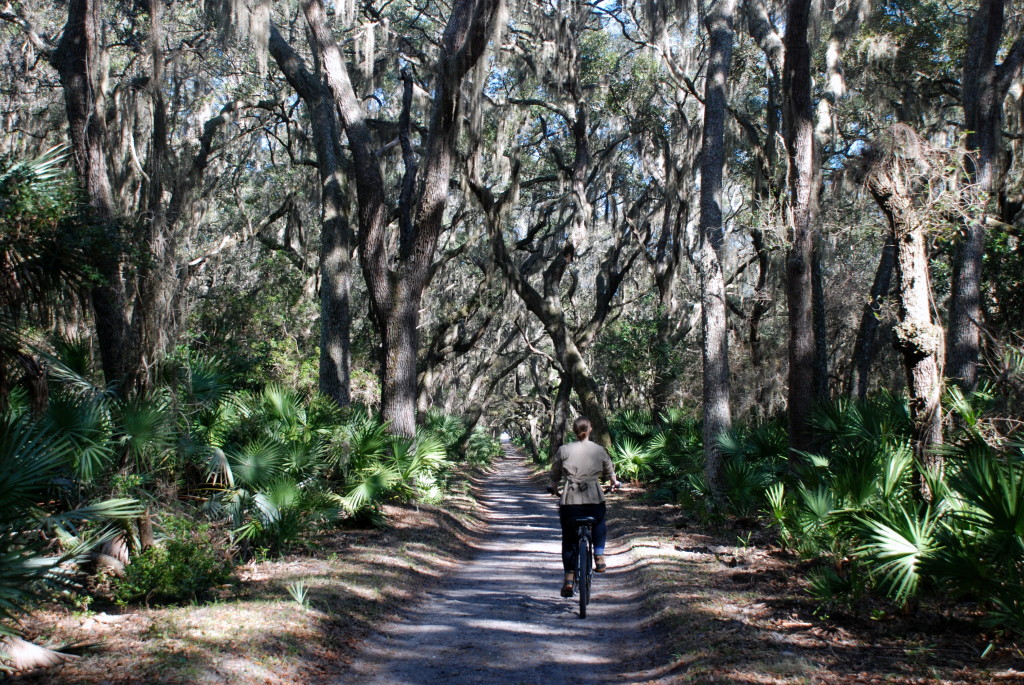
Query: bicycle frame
x=584 y=561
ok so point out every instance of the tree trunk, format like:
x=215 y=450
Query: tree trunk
x=584 y=385
x=560 y=415
x=398 y=374
x=715 y=347
x=918 y=338
x=761 y=299
x=821 y=387
x=866 y=345
x=395 y=283
x=801 y=216
x=666 y=265
x=715 y=354
x=335 y=258
x=335 y=284
x=336 y=232
x=77 y=61
x=534 y=438
x=156 y=271
x=984 y=87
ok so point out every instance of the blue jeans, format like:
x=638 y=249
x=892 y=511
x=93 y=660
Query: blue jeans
x=567 y=515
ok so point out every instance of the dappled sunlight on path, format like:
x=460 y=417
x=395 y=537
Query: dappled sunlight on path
x=501 y=619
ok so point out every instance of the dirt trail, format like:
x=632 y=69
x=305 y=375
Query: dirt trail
x=501 y=619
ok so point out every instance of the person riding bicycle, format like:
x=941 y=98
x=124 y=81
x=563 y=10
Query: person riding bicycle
x=581 y=464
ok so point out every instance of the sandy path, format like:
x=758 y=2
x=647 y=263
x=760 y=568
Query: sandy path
x=500 y=619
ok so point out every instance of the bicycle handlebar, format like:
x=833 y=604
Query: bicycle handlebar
x=609 y=488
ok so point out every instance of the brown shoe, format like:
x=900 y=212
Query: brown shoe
x=599 y=564
x=570 y=577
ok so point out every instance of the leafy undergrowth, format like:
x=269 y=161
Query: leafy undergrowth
x=735 y=609
x=730 y=607
x=257 y=632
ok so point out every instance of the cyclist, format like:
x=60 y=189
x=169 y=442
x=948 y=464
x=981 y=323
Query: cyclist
x=581 y=464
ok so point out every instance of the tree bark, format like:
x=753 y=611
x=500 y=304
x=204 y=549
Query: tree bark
x=715 y=347
x=77 y=61
x=395 y=283
x=918 y=338
x=665 y=264
x=560 y=415
x=336 y=238
x=866 y=344
x=983 y=89
x=766 y=192
x=335 y=285
x=761 y=300
x=801 y=215
x=156 y=271
x=821 y=385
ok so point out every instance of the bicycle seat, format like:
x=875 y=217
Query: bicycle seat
x=585 y=520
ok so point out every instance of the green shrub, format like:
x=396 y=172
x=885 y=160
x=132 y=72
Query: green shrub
x=33 y=461
x=631 y=460
x=446 y=428
x=481 y=448
x=185 y=567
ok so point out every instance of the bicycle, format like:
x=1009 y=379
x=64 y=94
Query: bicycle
x=584 y=561
x=584 y=573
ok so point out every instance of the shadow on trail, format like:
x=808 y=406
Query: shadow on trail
x=500 y=618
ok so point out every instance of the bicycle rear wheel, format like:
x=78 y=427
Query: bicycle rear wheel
x=583 y=575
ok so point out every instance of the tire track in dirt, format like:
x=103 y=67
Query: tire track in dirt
x=500 y=618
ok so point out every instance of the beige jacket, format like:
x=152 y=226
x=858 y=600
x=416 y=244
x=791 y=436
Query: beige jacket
x=581 y=464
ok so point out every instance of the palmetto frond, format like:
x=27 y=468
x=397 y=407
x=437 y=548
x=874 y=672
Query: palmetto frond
x=993 y=489
x=446 y=428
x=83 y=422
x=32 y=458
x=206 y=379
x=899 y=543
x=818 y=505
x=897 y=471
x=283 y=407
x=635 y=424
x=630 y=458
x=257 y=462
x=43 y=175
x=363 y=442
x=74 y=354
x=370 y=487
x=35 y=258
x=144 y=429
x=415 y=461
x=67 y=521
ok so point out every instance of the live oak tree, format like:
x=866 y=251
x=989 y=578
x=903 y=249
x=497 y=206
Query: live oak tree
x=717 y=411
x=562 y=211
x=398 y=231
x=143 y=178
x=396 y=281
x=901 y=168
x=542 y=215
x=984 y=87
x=336 y=234
x=801 y=217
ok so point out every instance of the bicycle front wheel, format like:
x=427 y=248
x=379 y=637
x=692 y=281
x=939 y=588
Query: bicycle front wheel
x=583 y=575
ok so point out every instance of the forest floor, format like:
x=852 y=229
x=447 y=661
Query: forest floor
x=468 y=593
